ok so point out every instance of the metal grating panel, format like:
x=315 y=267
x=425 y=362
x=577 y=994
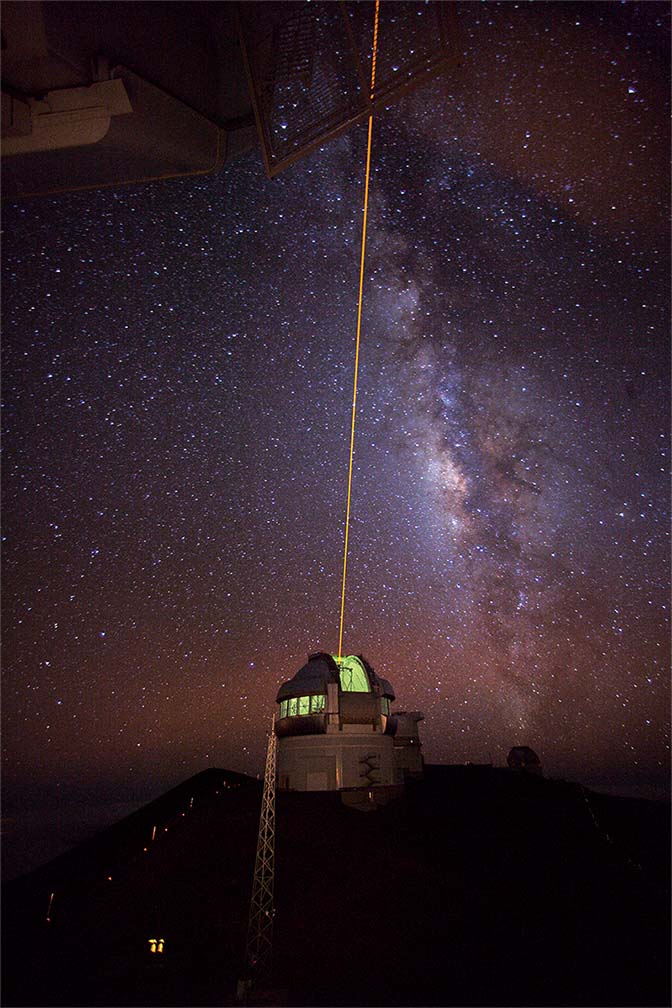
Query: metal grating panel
x=309 y=65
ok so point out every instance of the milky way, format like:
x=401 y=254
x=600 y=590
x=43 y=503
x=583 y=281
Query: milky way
x=177 y=380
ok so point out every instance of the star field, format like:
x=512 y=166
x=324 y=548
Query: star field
x=177 y=387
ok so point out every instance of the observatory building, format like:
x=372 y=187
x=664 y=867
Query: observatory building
x=336 y=731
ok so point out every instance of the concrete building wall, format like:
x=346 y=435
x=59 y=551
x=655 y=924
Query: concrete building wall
x=336 y=761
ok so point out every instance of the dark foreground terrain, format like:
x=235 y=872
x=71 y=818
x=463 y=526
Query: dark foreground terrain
x=480 y=887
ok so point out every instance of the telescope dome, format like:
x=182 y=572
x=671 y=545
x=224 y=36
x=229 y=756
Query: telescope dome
x=335 y=727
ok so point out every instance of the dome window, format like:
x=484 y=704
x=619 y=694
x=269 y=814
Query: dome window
x=303 y=705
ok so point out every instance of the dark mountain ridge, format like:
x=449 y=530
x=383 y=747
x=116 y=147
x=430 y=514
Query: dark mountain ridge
x=480 y=886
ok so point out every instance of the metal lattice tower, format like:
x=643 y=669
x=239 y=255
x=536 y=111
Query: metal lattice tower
x=259 y=948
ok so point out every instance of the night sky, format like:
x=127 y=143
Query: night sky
x=177 y=380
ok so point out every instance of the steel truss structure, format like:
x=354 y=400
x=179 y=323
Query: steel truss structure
x=259 y=948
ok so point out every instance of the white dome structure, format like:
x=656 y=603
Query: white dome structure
x=335 y=729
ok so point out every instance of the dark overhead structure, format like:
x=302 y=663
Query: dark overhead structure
x=106 y=93
x=309 y=65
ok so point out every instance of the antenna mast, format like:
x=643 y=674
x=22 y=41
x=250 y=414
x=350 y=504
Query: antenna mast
x=259 y=948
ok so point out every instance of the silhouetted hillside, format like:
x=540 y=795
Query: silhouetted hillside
x=479 y=887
